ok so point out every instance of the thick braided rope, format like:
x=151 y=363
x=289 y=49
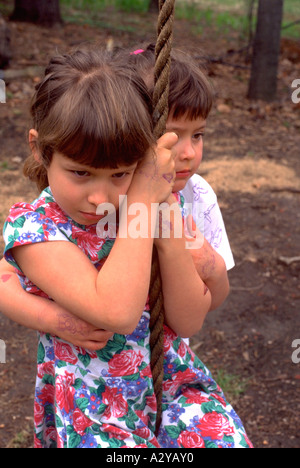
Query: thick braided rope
x=160 y=115
x=162 y=65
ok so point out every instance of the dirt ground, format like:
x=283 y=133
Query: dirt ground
x=252 y=161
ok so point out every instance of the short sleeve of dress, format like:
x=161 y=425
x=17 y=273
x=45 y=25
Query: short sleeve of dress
x=201 y=201
x=27 y=224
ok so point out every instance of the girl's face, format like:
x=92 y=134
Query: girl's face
x=188 y=150
x=79 y=189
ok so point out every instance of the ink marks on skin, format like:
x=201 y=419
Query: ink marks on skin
x=209 y=266
x=205 y=261
x=5 y=278
x=169 y=177
x=154 y=175
x=72 y=325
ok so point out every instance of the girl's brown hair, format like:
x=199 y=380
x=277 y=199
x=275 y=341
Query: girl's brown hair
x=190 y=94
x=91 y=108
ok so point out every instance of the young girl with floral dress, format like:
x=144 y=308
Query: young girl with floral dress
x=91 y=145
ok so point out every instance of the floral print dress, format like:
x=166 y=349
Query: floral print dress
x=105 y=399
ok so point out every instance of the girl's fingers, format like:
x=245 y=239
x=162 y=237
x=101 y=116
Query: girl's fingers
x=95 y=345
x=95 y=340
x=168 y=140
x=99 y=335
x=193 y=235
x=190 y=227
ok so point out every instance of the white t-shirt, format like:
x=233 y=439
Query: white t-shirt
x=201 y=201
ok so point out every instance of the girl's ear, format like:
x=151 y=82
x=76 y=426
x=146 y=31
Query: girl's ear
x=33 y=143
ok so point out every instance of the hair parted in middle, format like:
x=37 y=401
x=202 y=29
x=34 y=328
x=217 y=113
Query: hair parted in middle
x=92 y=108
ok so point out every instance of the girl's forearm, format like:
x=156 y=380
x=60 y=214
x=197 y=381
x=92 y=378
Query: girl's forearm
x=44 y=315
x=187 y=299
x=127 y=285
x=25 y=309
x=212 y=270
x=219 y=287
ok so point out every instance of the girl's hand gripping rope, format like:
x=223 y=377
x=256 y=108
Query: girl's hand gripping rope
x=155 y=175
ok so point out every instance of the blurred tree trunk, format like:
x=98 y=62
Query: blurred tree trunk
x=250 y=5
x=153 y=6
x=5 y=49
x=44 y=12
x=266 y=50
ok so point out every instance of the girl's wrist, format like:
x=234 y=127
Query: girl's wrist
x=47 y=317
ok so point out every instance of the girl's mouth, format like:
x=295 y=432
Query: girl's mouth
x=183 y=174
x=91 y=216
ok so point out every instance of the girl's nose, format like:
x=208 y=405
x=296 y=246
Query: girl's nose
x=186 y=151
x=98 y=196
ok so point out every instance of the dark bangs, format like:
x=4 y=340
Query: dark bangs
x=104 y=129
x=191 y=93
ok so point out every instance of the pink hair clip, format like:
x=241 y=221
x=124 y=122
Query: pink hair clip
x=136 y=52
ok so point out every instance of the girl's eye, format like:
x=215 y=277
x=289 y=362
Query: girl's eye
x=120 y=175
x=81 y=173
x=198 y=136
